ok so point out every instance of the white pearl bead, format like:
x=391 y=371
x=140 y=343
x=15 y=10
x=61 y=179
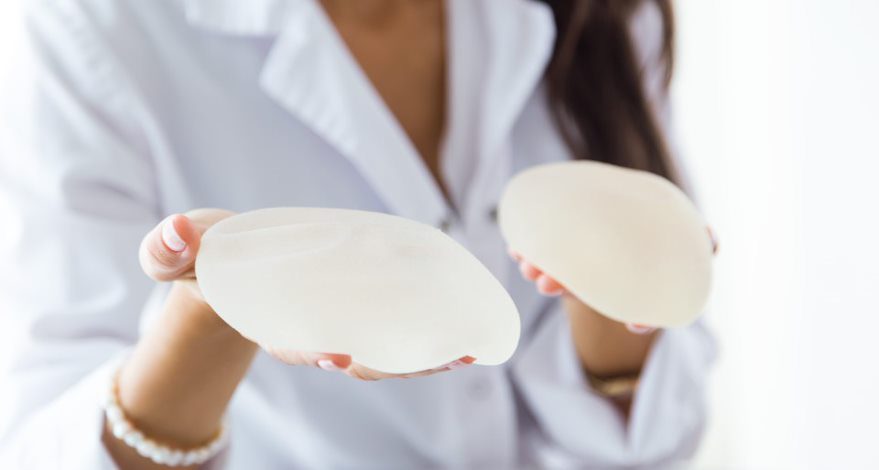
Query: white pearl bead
x=125 y=431
x=175 y=458
x=188 y=458
x=202 y=455
x=146 y=448
x=215 y=446
x=160 y=455
x=114 y=413
x=133 y=439
x=121 y=428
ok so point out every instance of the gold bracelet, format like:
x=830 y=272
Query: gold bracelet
x=615 y=387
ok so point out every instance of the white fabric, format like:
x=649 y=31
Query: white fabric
x=134 y=110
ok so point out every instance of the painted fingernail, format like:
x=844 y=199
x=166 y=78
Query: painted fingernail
x=639 y=329
x=714 y=243
x=171 y=237
x=459 y=364
x=514 y=254
x=528 y=271
x=548 y=287
x=328 y=364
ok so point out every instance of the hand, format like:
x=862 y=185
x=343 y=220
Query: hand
x=167 y=254
x=548 y=286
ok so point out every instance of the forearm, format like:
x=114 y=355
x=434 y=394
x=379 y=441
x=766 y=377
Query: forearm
x=605 y=347
x=178 y=382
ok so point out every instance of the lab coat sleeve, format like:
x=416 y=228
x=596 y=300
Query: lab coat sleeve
x=77 y=196
x=668 y=410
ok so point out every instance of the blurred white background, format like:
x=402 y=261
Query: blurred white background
x=778 y=113
x=778 y=118
x=10 y=50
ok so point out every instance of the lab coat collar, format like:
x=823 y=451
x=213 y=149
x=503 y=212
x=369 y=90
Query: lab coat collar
x=310 y=72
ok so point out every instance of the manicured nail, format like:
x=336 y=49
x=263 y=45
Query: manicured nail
x=328 y=364
x=171 y=237
x=514 y=254
x=639 y=329
x=459 y=364
x=528 y=271
x=714 y=243
x=548 y=287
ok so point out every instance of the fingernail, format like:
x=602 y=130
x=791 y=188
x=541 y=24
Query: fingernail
x=459 y=364
x=714 y=242
x=527 y=270
x=548 y=293
x=171 y=237
x=328 y=364
x=544 y=287
x=639 y=329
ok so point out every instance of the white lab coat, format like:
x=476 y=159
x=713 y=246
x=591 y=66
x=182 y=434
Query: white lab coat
x=139 y=109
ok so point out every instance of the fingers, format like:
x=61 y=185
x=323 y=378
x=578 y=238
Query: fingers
x=549 y=286
x=639 y=329
x=333 y=362
x=168 y=251
x=514 y=254
x=327 y=361
x=344 y=364
x=546 y=285
x=529 y=271
x=457 y=364
x=715 y=245
x=364 y=373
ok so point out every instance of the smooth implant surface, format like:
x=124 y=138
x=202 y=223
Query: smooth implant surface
x=628 y=243
x=397 y=295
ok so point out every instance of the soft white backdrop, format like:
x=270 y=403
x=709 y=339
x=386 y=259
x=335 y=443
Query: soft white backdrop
x=778 y=113
x=778 y=118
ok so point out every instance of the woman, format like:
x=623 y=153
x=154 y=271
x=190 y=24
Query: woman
x=142 y=111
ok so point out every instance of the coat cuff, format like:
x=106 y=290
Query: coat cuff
x=67 y=432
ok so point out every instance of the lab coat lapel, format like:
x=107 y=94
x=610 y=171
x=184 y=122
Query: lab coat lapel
x=310 y=73
x=519 y=37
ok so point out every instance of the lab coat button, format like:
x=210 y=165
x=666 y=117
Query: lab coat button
x=446 y=224
x=492 y=214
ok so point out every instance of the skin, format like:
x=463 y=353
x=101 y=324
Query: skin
x=171 y=387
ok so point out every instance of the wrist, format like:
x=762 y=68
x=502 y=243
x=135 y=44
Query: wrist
x=191 y=315
x=183 y=372
x=605 y=347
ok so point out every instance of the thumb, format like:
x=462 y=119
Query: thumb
x=168 y=252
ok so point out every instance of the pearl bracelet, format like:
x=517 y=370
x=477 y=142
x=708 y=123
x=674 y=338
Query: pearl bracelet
x=161 y=454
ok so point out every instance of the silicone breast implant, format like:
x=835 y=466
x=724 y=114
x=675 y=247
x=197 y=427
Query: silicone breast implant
x=397 y=295
x=628 y=243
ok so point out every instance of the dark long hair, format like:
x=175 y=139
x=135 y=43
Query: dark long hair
x=596 y=89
